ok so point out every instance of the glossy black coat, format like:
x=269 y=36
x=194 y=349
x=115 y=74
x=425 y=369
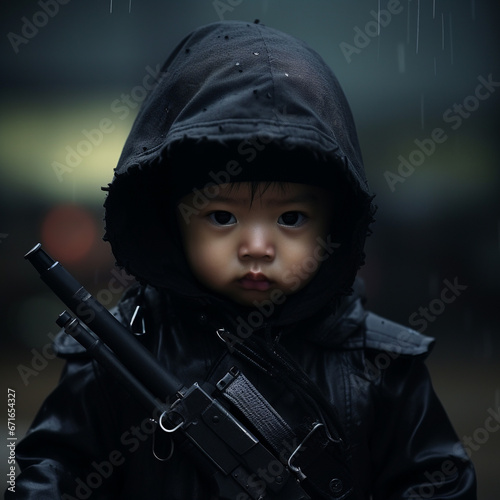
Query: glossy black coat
x=91 y=439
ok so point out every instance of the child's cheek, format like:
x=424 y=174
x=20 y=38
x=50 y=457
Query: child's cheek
x=208 y=259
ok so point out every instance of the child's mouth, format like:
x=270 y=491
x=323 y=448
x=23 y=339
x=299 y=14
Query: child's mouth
x=255 y=281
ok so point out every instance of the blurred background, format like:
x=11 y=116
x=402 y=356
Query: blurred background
x=422 y=80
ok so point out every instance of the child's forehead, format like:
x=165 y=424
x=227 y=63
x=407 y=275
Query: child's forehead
x=269 y=193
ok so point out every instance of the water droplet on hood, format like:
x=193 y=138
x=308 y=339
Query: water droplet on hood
x=237 y=64
x=255 y=53
x=286 y=74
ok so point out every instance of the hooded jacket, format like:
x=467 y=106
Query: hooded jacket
x=244 y=102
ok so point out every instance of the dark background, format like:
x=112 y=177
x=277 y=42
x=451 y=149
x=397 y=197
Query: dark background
x=403 y=81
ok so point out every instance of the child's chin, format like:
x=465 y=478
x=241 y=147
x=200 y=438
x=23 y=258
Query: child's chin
x=264 y=301
x=251 y=298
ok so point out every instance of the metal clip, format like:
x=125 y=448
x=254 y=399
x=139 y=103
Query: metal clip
x=137 y=323
x=228 y=378
x=220 y=333
x=155 y=454
x=300 y=475
x=160 y=421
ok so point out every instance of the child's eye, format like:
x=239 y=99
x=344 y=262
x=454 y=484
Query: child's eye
x=222 y=218
x=294 y=219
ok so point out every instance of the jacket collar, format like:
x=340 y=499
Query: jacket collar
x=329 y=327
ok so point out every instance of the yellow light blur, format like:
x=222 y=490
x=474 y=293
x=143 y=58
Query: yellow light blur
x=36 y=138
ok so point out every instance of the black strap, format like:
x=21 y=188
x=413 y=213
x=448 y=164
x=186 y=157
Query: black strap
x=236 y=388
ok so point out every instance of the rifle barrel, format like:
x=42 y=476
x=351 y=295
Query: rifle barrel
x=90 y=311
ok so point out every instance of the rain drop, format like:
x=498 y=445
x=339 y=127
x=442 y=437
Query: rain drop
x=451 y=38
x=286 y=74
x=255 y=53
x=237 y=64
x=442 y=31
x=418 y=26
x=378 y=19
x=422 y=112
x=408 y=24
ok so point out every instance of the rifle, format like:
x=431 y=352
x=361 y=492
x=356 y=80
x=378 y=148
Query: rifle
x=233 y=455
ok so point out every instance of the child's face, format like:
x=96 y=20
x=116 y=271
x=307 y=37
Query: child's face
x=245 y=249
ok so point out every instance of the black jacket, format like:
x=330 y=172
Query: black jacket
x=243 y=102
x=92 y=437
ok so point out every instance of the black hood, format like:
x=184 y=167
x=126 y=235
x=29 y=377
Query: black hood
x=238 y=102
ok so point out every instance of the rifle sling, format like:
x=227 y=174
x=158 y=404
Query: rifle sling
x=237 y=389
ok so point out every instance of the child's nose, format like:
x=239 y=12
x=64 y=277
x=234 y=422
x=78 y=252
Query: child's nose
x=256 y=243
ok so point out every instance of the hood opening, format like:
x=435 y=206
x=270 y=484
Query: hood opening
x=283 y=117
